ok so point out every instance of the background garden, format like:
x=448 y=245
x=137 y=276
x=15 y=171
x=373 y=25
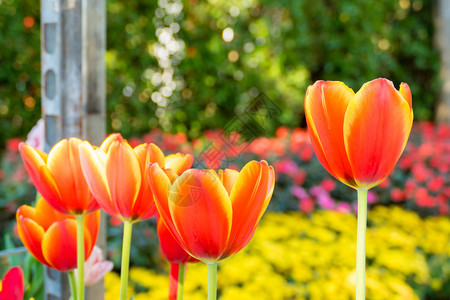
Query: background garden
x=192 y=87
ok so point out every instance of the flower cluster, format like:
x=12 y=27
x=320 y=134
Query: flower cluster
x=296 y=256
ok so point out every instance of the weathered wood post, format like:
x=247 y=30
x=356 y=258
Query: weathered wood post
x=73 y=43
x=442 y=38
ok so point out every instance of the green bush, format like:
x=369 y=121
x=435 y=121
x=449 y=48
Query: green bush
x=279 y=48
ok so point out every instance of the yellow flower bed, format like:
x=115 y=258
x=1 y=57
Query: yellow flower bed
x=295 y=256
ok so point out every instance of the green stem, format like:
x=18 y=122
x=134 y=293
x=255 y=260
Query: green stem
x=80 y=256
x=212 y=281
x=127 y=227
x=361 y=245
x=181 y=271
x=73 y=284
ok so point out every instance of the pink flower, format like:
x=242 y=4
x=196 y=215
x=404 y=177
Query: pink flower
x=299 y=192
x=36 y=137
x=372 y=197
x=95 y=267
x=325 y=201
x=343 y=207
x=12 y=285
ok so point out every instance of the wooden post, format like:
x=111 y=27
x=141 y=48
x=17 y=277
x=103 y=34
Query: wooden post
x=442 y=22
x=73 y=43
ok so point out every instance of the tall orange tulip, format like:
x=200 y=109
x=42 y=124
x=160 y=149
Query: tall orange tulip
x=50 y=236
x=359 y=138
x=58 y=177
x=116 y=175
x=212 y=216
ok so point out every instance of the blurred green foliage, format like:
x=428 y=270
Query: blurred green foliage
x=277 y=47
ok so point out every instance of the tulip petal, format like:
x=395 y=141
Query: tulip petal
x=123 y=173
x=170 y=248
x=46 y=215
x=144 y=206
x=325 y=106
x=91 y=227
x=248 y=199
x=94 y=170
x=59 y=245
x=149 y=153
x=201 y=211
x=12 y=285
x=270 y=187
x=31 y=235
x=41 y=176
x=228 y=177
x=179 y=162
x=110 y=139
x=376 y=128
x=160 y=184
x=405 y=91
x=65 y=167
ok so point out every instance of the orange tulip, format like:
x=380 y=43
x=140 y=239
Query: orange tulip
x=116 y=175
x=212 y=216
x=51 y=236
x=359 y=137
x=58 y=177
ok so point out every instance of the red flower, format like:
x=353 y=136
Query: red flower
x=12 y=285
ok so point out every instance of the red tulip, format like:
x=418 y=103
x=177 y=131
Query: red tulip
x=116 y=175
x=359 y=137
x=12 y=285
x=176 y=255
x=212 y=216
x=171 y=250
x=58 y=177
x=51 y=237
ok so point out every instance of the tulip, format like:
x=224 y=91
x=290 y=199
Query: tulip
x=116 y=175
x=359 y=138
x=212 y=216
x=12 y=285
x=51 y=236
x=59 y=179
x=177 y=257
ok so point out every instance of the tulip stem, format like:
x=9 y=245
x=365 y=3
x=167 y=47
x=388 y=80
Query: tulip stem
x=80 y=256
x=181 y=272
x=361 y=245
x=127 y=227
x=212 y=281
x=73 y=284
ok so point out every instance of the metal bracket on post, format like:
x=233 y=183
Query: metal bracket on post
x=73 y=43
